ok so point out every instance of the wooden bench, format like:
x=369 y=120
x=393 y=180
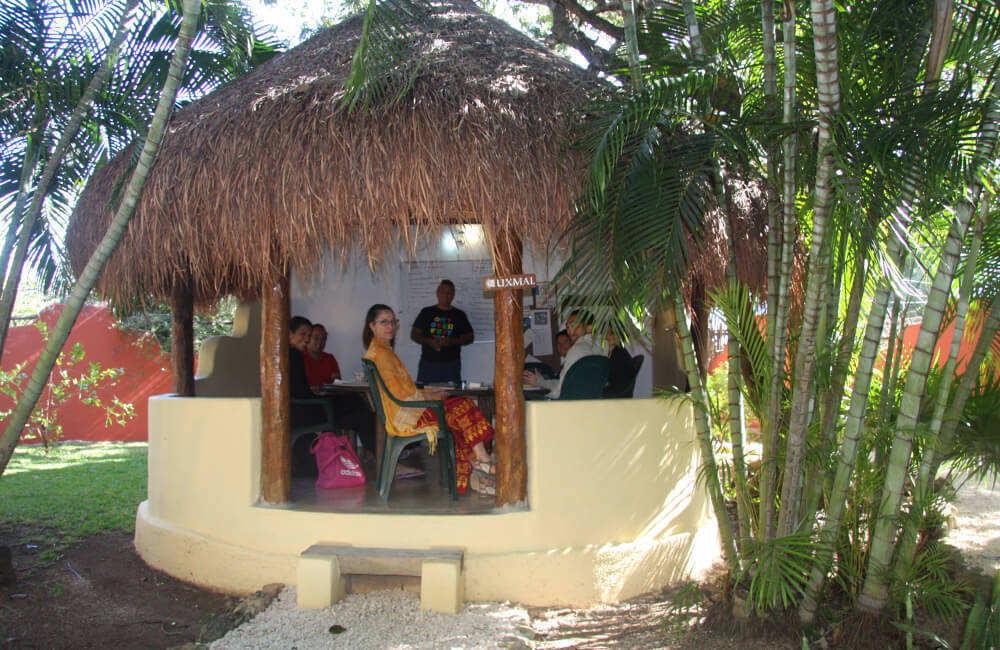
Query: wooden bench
x=324 y=569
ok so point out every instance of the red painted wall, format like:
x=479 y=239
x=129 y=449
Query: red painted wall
x=147 y=371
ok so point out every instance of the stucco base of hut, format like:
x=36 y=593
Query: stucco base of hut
x=614 y=509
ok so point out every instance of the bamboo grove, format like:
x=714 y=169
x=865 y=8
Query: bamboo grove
x=872 y=130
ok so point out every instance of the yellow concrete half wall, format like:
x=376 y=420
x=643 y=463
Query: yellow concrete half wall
x=613 y=510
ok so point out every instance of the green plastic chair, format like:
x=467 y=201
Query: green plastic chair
x=394 y=445
x=542 y=368
x=586 y=378
x=317 y=427
x=629 y=390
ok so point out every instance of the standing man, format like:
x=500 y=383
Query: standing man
x=441 y=330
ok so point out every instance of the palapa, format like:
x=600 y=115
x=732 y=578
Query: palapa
x=268 y=172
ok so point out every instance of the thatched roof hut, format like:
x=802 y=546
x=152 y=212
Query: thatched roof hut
x=268 y=172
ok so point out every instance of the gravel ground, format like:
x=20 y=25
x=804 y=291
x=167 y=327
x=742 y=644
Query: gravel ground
x=393 y=619
x=975 y=529
x=380 y=619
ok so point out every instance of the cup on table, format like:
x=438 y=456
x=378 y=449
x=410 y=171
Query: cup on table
x=359 y=377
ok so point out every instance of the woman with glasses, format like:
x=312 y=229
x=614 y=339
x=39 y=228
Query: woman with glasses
x=468 y=425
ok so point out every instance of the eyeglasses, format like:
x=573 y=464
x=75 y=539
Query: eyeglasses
x=385 y=321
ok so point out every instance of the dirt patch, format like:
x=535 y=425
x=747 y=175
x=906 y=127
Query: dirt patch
x=99 y=594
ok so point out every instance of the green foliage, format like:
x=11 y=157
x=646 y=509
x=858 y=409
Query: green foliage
x=157 y=322
x=383 y=68
x=982 y=627
x=684 y=608
x=775 y=571
x=70 y=377
x=63 y=494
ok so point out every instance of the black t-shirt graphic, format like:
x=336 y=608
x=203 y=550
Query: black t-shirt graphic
x=449 y=324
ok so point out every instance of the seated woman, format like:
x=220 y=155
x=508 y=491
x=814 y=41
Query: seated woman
x=470 y=429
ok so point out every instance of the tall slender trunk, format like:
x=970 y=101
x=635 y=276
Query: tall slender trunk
x=953 y=416
x=908 y=540
x=703 y=429
x=875 y=592
x=835 y=395
x=772 y=425
x=31 y=155
x=631 y=41
x=773 y=153
x=88 y=278
x=51 y=165
x=828 y=95
x=893 y=357
x=853 y=428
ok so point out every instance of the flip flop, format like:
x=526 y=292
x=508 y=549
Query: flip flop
x=479 y=483
x=483 y=467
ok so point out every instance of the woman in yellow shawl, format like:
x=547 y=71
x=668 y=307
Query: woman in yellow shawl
x=468 y=425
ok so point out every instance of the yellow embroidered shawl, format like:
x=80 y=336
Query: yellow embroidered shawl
x=399 y=420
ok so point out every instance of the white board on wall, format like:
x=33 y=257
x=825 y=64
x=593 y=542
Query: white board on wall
x=420 y=280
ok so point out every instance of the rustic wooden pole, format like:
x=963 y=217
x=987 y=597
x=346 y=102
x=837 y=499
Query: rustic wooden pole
x=276 y=452
x=182 y=337
x=511 y=449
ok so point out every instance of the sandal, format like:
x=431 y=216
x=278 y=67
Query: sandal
x=481 y=484
x=483 y=467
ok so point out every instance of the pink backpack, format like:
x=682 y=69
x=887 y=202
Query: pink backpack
x=337 y=463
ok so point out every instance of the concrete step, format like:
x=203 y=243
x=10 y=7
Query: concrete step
x=326 y=570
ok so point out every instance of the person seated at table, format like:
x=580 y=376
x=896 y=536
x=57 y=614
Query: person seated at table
x=563 y=343
x=299 y=329
x=620 y=375
x=321 y=366
x=469 y=427
x=579 y=326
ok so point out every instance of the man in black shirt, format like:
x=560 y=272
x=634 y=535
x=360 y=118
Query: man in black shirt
x=441 y=330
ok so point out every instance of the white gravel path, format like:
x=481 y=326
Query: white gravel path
x=380 y=619
x=976 y=530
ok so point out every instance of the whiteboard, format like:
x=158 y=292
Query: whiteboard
x=420 y=281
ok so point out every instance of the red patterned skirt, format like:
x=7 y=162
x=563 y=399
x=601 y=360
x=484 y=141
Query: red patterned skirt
x=469 y=426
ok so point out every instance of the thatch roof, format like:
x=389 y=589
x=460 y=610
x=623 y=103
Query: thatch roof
x=267 y=172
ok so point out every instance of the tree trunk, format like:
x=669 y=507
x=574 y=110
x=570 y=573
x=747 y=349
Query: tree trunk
x=875 y=592
x=13 y=278
x=828 y=93
x=182 y=337
x=631 y=41
x=772 y=424
x=853 y=428
x=275 y=395
x=703 y=428
x=31 y=155
x=511 y=447
x=88 y=278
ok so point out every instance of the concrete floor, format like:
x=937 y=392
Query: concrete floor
x=419 y=495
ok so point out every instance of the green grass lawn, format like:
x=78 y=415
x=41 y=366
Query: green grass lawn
x=72 y=491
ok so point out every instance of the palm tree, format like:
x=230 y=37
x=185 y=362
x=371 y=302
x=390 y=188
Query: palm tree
x=66 y=72
x=887 y=157
x=40 y=374
x=233 y=48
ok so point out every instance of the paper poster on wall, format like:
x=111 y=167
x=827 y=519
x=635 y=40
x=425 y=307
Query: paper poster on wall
x=541 y=332
x=420 y=281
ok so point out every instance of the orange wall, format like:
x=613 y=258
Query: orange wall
x=147 y=371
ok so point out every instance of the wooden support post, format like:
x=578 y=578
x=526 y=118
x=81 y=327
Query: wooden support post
x=182 y=337
x=511 y=449
x=276 y=452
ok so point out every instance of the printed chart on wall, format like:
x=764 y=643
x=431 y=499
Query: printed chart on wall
x=420 y=283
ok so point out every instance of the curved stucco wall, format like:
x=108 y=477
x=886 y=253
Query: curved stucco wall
x=614 y=508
